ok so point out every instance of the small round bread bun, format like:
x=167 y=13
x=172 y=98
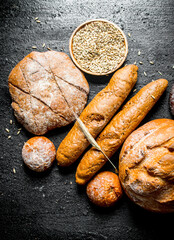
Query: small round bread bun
x=146 y=166
x=105 y=189
x=38 y=153
x=171 y=100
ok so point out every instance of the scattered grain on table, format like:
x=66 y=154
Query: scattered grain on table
x=7 y=130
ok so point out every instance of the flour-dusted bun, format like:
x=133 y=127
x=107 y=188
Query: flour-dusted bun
x=38 y=153
x=146 y=166
x=38 y=85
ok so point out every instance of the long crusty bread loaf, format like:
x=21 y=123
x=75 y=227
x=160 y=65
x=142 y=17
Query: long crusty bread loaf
x=111 y=138
x=97 y=114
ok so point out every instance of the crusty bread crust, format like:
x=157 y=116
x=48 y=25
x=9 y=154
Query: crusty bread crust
x=38 y=85
x=97 y=114
x=119 y=128
x=146 y=166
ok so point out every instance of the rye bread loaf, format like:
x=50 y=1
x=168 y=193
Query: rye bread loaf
x=97 y=114
x=38 y=85
x=146 y=166
x=119 y=128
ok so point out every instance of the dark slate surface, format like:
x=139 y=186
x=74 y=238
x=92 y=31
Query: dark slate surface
x=48 y=206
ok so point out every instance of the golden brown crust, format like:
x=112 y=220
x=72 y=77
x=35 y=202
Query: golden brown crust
x=97 y=114
x=105 y=189
x=146 y=166
x=38 y=85
x=38 y=153
x=114 y=134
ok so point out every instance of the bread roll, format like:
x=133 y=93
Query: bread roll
x=97 y=114
x=119 y=128
x=38 y=153
x=38 y=85
x=146 y=166
x=104 y=189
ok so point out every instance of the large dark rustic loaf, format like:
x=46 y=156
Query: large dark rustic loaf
x=97 y=114
x=38 y=85
x=114 y=134
x=146 y=166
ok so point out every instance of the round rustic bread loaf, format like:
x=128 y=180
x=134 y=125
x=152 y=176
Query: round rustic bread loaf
x=42 y=87
x=146 y=166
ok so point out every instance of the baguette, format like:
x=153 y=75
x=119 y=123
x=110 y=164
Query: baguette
x=111 y=138
x=97 y=114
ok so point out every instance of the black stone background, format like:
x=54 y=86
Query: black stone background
x=47 y=206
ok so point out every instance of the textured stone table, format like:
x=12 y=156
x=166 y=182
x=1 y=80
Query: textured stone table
x=51 y=205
